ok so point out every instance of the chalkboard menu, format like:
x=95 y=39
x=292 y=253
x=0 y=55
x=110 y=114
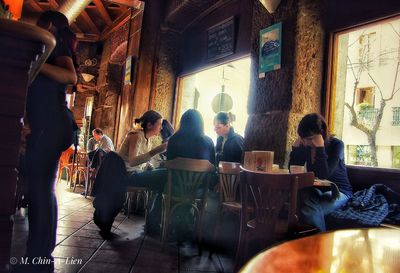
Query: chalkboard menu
x=221 y=40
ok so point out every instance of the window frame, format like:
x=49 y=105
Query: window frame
x=331 y=71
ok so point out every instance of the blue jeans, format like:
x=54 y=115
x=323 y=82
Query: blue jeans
x=154 y=179
x=314 y=205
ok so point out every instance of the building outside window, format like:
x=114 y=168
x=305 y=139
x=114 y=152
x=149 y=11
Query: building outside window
x=365 y=92
x=396 y=157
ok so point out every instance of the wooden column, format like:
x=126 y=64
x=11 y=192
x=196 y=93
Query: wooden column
x=23 y=48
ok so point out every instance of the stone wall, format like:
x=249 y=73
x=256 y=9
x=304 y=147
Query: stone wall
x=270 y=98
x=168 y=61
x=109 y=81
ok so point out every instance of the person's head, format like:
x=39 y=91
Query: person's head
x=150 y=122
x=192 y=123
x=311 y=125
x=222 y=123
x=97 y=134
x=53 y=21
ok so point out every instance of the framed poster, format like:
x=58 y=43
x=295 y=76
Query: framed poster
x=129 y=67
x=220 y=39
x=270 y=48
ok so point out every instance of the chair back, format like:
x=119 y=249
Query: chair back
x=273 y=197
x=186 y=176
x=229 y=174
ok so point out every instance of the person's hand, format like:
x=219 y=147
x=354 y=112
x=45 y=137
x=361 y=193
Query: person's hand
x=148 y=166
x=159 y=149
x=317 y=141
x=298 y=142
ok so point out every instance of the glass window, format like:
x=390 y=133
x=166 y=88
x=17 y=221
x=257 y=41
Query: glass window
x=365 y=92
x=396 y=157
x=221 y=88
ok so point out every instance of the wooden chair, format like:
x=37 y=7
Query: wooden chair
x=185 y=177
x=273 y=199
x=143 y=193
x=65 y=163
x=229 y=174
x=80 y=170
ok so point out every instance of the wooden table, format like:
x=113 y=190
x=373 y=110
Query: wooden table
x=356 y=250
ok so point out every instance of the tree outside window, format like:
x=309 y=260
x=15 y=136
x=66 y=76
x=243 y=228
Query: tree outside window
x=366 y=88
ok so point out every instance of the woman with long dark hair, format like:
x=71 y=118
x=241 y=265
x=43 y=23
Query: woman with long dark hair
x=190 y=141
x=324 y=155
x=52 y=126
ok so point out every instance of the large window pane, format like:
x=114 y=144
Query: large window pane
x=366 y=92
x=221 y=88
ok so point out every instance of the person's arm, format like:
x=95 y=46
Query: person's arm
x=324 y=164
x=109 y=144
x=90 y=145
x=134 y=158
x=62 y=71
x=237 y=148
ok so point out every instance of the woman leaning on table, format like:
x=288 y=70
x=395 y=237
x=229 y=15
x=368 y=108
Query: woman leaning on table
x=323 y=155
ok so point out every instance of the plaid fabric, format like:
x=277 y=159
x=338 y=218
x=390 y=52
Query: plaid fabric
x=370 y=207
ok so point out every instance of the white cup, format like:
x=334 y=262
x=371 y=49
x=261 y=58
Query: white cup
x=249 y=161
x=297 y=169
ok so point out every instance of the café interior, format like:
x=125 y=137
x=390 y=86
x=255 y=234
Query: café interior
x=269 y=62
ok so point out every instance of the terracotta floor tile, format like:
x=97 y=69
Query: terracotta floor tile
x=95 y=267
x=82 y=242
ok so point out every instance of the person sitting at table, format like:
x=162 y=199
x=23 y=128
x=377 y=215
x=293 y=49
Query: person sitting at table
x=324 y=155
x=229 y=144
x=136 y=151
x=190 y=141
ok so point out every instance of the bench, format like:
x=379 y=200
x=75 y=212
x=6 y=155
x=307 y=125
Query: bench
x=364 y=177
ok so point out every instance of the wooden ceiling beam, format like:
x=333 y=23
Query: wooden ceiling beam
x=84 y=37
x=129 y=3
x=75 y=28
x=53 y=4
x=103 y=12
x=90 y=22
x=35 y=6
x=117 y=24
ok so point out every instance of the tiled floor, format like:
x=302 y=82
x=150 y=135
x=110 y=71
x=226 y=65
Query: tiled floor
x=80 y=248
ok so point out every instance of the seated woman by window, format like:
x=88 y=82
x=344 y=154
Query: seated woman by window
x=229 y=144
x=323 y=155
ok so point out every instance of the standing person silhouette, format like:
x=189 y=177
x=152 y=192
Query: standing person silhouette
x=52 y=131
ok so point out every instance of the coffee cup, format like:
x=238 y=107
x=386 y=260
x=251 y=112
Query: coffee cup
x=297 y=169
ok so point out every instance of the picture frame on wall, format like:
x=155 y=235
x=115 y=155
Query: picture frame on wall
x=270 y=49
x=129 y=70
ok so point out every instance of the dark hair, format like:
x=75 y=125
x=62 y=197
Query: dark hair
x=167 y=130
x=98 y=131
x=58 y=19
x=64 y=34
x=225 y=118
x=312 y=124
x=148 y=117
x=192 y=123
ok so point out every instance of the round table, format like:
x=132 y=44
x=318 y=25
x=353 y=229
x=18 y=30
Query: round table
x=344 y=251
